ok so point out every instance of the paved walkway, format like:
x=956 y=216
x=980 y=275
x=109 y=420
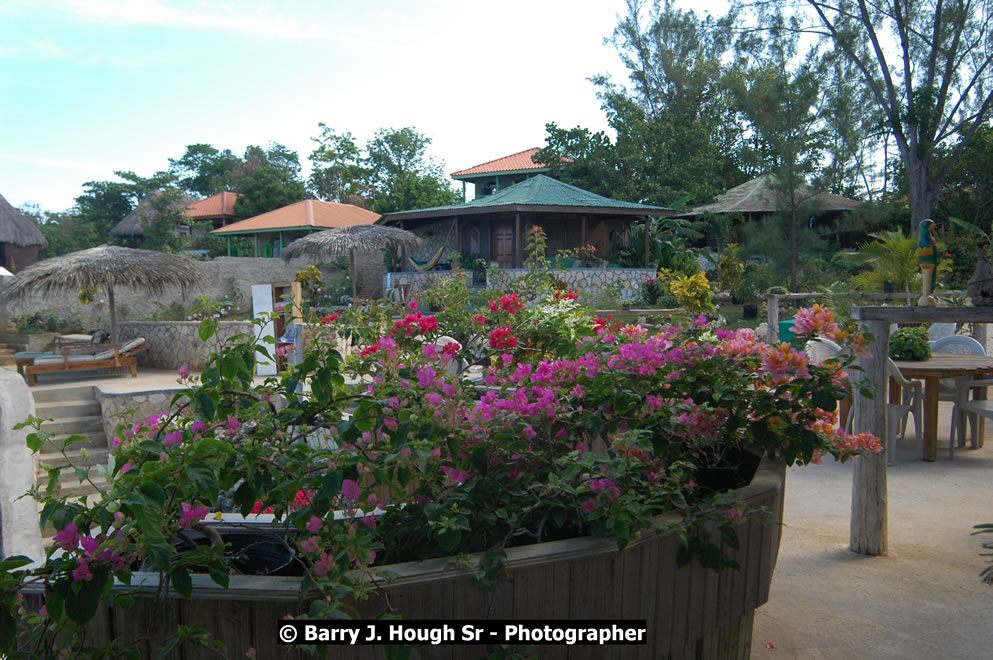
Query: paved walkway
x=923 y=599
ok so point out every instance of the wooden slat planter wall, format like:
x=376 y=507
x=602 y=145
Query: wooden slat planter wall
x=691 y=612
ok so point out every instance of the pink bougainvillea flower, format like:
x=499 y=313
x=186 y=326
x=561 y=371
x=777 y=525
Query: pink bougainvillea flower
x=369 y=350
x=350 y=490
x=82 y=572
x=198 y=427
x=192 y=514
x=172 y=439
x=251 y=652
x=770 y=645
x=258 y=508
x=310 y=544
x=315 y=525
x=68 y=537
x=434 y=399
x=413 y=305
x=183 y=371
x=125 y=468
x=502 y=338
x=732 y=514
x=480 y=319
x=589 y=506
x=324 y=565
x=232 y=425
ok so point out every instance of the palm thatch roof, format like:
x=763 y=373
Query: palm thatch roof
x=761 y=196
x=17 y=228
x=342 y=240
x=106 y=266
x=132 y=226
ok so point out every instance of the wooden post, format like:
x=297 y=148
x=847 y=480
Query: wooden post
x=867 y=533
x=517 y=239
x=585 y=240
x=647 y=220
x=979 y=333
x=772 y=317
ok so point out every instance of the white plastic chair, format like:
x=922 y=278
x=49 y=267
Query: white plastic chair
x=951 y=389
x=820 y=349
x=911 y=402
x=940 y=331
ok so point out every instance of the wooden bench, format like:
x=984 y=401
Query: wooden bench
x=83 y=357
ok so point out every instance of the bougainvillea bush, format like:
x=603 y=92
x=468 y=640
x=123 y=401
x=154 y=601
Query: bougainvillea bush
x=576 y=425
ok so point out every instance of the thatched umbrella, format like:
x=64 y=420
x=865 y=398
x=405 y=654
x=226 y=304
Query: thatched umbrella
x=348 y=240
x=107 y=266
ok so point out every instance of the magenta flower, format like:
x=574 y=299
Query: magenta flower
x=315 y=525
x=90 y=545
x=82 y=572
x=350 y=490
x=324 y=565
x=125 y=468
x=172 y=439
x=232 y=425
x=198 y=427
x=192 y=515
x=589 y=506
x=433 y=399
x=310 y=544
x=183 y=371
x=68 y=537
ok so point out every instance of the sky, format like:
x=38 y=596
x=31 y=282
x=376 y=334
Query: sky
x=94 y=86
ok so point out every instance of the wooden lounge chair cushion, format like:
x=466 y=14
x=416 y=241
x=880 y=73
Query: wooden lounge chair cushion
x=132 y=344
x=59 y=359
x=129 y=345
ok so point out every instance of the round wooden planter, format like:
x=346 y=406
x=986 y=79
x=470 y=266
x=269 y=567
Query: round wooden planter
x=690 y=611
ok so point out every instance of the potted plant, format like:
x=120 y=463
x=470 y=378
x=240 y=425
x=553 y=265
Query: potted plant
x=580 y=429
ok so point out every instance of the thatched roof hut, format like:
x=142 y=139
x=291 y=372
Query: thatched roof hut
x=20 y=240
x=132 y=226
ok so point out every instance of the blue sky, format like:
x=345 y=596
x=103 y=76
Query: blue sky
x=103 y=85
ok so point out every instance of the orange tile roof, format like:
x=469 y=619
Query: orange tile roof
x=308 y=213
x=215 y=206
x=512 y=163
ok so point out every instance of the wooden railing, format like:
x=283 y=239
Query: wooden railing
x=772 y=301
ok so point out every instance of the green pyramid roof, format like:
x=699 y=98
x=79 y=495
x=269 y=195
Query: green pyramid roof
x=532 y=194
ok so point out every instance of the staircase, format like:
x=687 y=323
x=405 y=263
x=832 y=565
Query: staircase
x=72 y=410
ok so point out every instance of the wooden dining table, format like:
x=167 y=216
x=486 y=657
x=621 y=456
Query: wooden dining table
x=941 y=365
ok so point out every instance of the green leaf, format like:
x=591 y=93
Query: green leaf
x=35 y=441
x=151 y=447
x=153 y=492
x=16 y=561
x=203 y=479
x=8 y=630
x=480 y=460
x=181 y=582
x=81 y=607
x=449 y=540
x=207 y=328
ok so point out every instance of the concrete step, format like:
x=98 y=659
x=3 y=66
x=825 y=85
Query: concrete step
x=93 y=442
x=68 y=393
x=71 y=408
x=84 y=424
x=96 y=456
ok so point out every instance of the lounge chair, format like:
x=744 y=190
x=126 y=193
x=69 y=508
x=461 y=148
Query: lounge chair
x=103 y=356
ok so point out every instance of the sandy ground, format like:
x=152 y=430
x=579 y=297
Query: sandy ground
x=923 y=599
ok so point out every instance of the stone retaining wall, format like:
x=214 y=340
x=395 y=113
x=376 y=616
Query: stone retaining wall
x=170 y=344
x=144 y=404
x=590 y=282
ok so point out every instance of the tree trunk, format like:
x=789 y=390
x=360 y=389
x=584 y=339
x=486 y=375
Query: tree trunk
x=920 y=192
x=794 y=243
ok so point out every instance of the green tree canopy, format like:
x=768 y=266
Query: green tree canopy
x=266 y=189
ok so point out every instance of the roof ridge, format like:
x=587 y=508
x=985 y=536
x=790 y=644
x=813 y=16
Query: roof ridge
x=494 y=160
